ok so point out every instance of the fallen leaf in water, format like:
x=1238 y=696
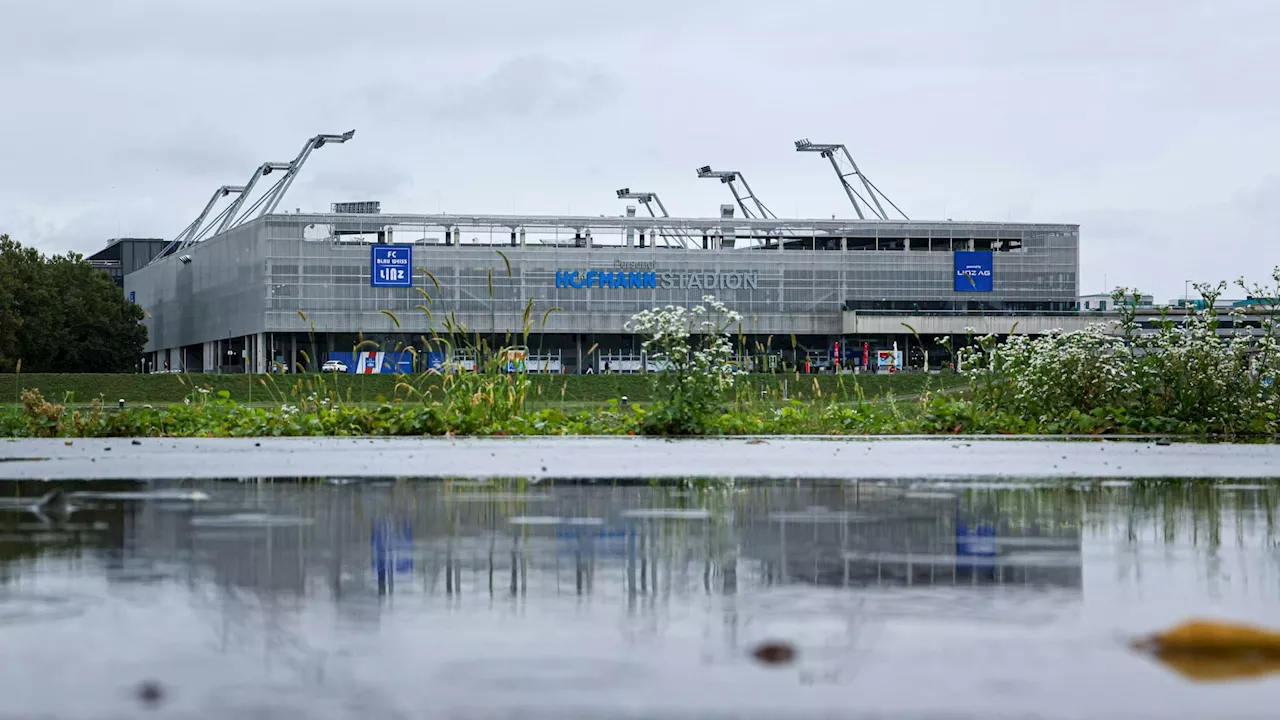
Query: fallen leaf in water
x=1217 y=667
x=775 y=653
x=1211 y=651
x=1209 y=636
x=150 y=693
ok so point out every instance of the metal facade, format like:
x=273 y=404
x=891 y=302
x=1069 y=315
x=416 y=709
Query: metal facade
x=268 y=277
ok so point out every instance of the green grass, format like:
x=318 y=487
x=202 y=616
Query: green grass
x=577 y=391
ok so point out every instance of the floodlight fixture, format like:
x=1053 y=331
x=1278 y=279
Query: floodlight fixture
x=835 y=153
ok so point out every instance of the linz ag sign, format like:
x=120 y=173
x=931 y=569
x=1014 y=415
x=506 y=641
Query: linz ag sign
x=973 y=272
x=391 y=266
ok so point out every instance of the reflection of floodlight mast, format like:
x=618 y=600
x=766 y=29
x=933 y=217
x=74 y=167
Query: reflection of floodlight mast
x=832 y=152
x=644 y=198
x=729 y=177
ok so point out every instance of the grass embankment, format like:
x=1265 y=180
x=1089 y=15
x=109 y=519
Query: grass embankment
x=577 y=390
x=461 y=404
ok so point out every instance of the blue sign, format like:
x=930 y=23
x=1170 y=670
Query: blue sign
x=973 y=272
x=392 y=547
x=133 y=296
x=435 y=361
x=391 y=266
x=375 y=363
x=978 y=540
x=606 y=279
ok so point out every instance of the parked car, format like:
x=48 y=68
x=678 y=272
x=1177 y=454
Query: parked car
x=333 y=366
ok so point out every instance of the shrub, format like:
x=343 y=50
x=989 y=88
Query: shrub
x=1168 y=377
x=691 y=348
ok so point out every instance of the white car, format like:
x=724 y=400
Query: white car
x=334 y=366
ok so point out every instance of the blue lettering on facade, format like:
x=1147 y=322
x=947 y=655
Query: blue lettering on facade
x=391 y=266
x=973 y=272
x=606 y=279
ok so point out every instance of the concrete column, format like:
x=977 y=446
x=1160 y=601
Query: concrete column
x=631 y=232
x=521 y=237
x=259 y=352
x=293 y=352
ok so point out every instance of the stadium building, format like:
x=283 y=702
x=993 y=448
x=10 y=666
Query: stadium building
x=286 y=291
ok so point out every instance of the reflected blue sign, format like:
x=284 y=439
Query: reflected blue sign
x=977 y=540
x=973 y=271
x=392 y=548
x=391 y=266
x=601 y=540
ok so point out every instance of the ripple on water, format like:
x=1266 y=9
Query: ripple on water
x=320 y=702
x=518 y=675
x=250 y=520
x=21 y=608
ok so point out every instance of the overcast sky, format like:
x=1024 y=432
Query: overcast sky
x=1151 y=123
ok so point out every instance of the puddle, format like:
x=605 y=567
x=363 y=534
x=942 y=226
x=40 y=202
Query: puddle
x=778 y=599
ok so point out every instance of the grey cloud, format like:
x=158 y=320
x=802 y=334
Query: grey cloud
x=195 y=155
x=127 y=113
x=1263 y=200
x=522 y=88
x=250 y=31
x=359 y=183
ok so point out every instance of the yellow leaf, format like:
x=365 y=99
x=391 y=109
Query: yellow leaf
x=1210 y=637
x=1218 y=667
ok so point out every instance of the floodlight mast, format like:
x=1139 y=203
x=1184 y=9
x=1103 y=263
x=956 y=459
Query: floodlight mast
x=276 y=194
x=832 y=151
x=264 y=169
x=728 y=177
x=644 y=198
x=191 y=231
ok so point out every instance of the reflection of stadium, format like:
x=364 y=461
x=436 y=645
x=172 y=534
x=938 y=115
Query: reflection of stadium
x=463 y=539
x=881 y=536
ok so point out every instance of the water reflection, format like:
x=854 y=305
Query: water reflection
x=580 y=588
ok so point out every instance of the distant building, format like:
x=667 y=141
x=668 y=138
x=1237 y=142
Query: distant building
x=1200 y=304
x=1257 y=301
x=122 y=256
x=1103 y=302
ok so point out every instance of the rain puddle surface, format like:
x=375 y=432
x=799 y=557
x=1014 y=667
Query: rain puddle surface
x=428 y=597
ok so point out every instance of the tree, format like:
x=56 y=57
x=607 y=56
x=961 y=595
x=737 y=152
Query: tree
x=59 y=314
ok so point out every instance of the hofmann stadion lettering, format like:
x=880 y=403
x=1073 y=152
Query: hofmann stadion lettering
x=652 y=280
